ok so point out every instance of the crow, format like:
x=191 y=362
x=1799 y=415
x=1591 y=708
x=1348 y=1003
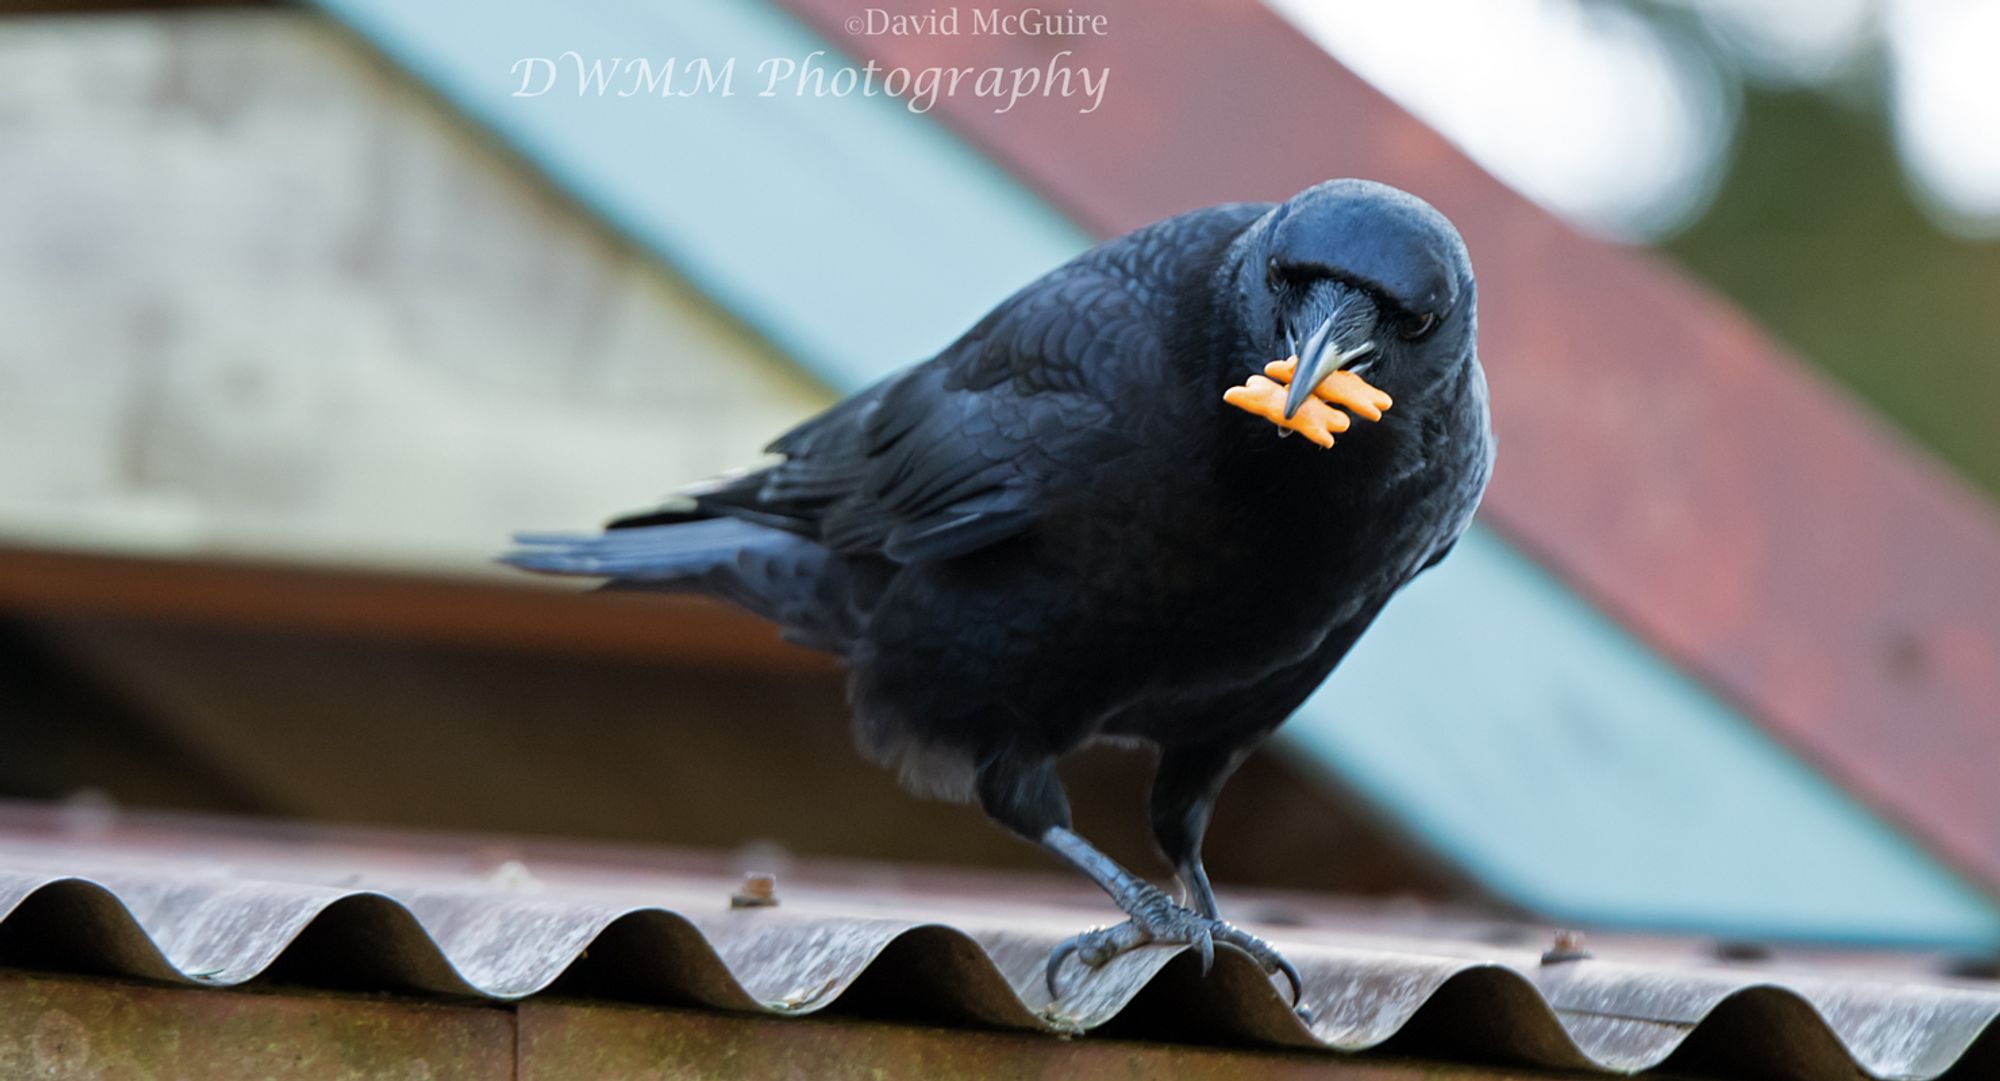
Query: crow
x=1054 y=532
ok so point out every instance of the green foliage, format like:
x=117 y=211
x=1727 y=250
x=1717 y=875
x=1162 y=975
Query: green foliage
x=1817 y=232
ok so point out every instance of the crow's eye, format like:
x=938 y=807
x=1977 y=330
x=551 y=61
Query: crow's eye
x=1418 y=327
x=1273 y=276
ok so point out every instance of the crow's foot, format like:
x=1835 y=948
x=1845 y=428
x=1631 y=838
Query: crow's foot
x=1157 y=919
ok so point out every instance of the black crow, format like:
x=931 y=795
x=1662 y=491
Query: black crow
x=1055 y=532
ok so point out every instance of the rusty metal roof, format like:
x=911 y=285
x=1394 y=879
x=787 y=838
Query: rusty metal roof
x=215 y=904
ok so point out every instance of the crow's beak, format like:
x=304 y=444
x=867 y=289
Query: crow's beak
x=1312 y=355
x=1318 y=358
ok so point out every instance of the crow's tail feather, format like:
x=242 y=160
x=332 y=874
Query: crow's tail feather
x=778 y=575
x=655 y=553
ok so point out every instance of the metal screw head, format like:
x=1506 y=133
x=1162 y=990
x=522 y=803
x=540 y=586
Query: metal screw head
x=757 y=891
x=1568 y=947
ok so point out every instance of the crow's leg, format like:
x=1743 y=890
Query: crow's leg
x=1027 y=798
x=1184 y=789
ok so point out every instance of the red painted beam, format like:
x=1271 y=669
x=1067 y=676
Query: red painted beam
x=1657 y=450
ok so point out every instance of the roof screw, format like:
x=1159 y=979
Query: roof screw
x=757 y=891
x=1568 y=947
x=1742 y=951
x=513 y=876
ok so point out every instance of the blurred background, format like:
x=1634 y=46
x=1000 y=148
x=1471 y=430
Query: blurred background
x=305 y=307
x=1832 y=167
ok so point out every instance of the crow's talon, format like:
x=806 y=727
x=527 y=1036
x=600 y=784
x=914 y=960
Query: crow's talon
x=1093 y=948
x=1265 y=955
x=1159 y=920
x=1204 y=946
x=1056 y=958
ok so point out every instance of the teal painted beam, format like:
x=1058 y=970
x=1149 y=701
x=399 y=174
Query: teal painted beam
x=1504 y=720
x=1568 y=767
x=779 y=207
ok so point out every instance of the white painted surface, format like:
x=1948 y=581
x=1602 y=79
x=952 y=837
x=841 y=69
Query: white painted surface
x=258 y=295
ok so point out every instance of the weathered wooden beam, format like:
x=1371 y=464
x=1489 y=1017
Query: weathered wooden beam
x=571 y=1042
x=686 y=630
x=69 y=1028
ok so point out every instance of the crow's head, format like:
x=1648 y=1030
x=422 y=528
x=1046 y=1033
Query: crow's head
x=1359 y=275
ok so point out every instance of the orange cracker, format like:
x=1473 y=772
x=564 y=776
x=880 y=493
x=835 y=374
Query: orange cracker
x=1264 y=396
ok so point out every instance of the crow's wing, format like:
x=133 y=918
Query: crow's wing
x=970 y=447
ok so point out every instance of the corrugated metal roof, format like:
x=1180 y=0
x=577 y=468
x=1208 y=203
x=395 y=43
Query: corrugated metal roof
x=218 y=905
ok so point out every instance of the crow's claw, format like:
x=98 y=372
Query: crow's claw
x=1060 y=954
x=1266 y=956
x=1094 y=947
x=1159 y=920
x=1204 y=947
